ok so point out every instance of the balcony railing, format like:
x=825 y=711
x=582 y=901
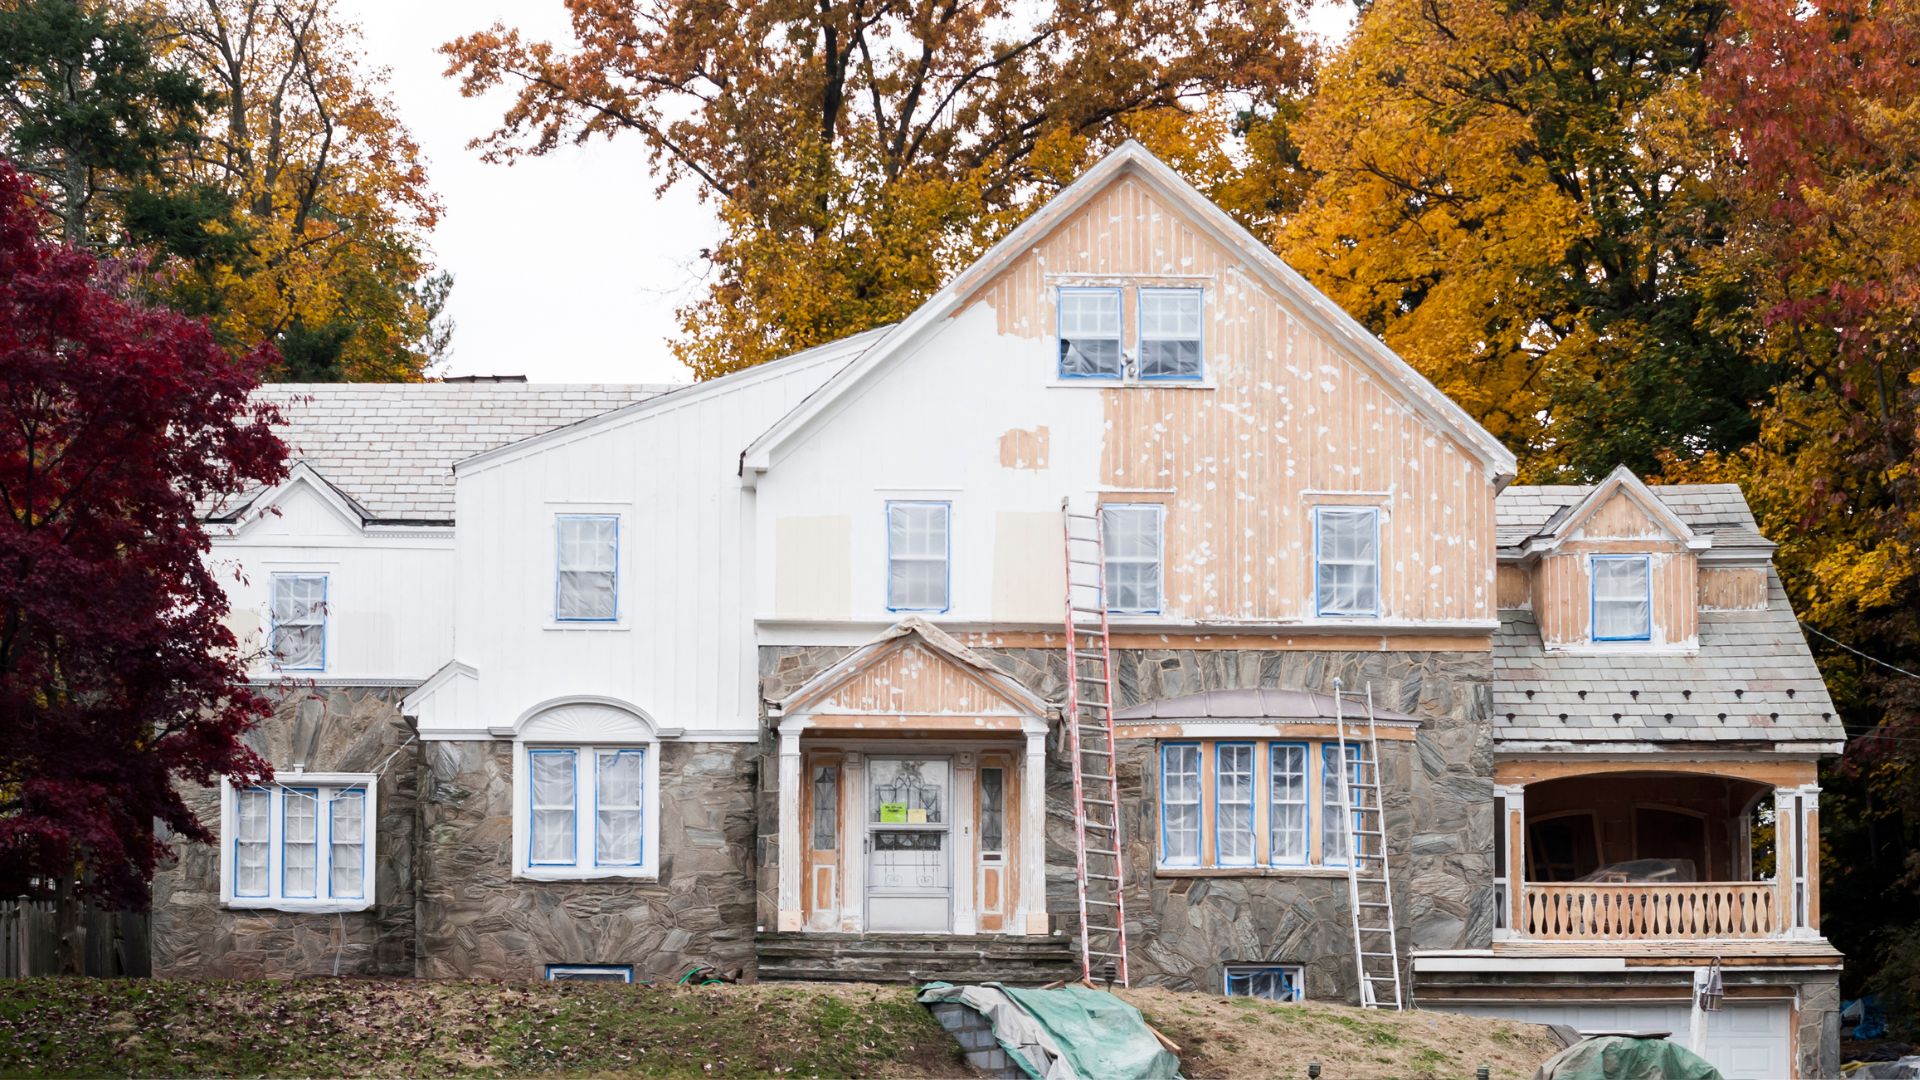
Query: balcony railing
x=1593 y=911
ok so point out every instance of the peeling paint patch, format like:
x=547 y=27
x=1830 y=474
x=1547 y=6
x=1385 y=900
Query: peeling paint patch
x=1024 y=449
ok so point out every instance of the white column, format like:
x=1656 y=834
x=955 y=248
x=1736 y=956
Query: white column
x=790 y=854
x=1032 y=915
x=853 y=846
x=965 y=870
x=1786 y=844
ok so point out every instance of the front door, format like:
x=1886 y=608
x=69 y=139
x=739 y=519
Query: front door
x=909 y=844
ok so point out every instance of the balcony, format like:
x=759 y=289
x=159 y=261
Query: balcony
x=1656 y=855
x=1630 y=911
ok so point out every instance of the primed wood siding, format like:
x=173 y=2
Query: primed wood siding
x=911 y=681
x=1285 y=414
x=1514 y=588
x=1562 y=591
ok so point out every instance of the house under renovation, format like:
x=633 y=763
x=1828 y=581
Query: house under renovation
x=1127 y=609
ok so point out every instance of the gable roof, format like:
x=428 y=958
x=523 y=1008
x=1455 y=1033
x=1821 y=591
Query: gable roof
x=1132 y=159
x=389 y=448
x=907 y=633
x=1716 y=511
x=1622 y=482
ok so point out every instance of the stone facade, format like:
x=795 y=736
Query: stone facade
x=1185 y=929
x=349 y=729
x=478 y=921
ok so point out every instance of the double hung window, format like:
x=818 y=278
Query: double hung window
x=1132 y=537
x=298 y=635
x=586 y=584
x=1090 y=333
x=1622 y=598
x=1347 y=560
x=1170 y=333
x=919 y=546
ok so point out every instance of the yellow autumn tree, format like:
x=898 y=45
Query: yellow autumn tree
x=1514 y=197
x=331 y=207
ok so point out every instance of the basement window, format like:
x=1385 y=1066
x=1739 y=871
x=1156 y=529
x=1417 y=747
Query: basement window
x=303 y=845
x=1089 y=333
x=1269 y=982
x=600 y=973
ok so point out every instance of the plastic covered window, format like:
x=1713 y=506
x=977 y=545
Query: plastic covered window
x=621 y=775
x=1090 y=333
x=1622 y=598
x=1333 y=837
x=299 y=628
x=347 y=844
x=1170 y=333
x=917 y=550
x=1287 y=810
x=550 y=791
x=252 y=842
x=1271 y=983
x=1133 y=543
x=1347 y=561
x=586 y=585
x=300 y=830
x=1180 y=804
x=1233 y=804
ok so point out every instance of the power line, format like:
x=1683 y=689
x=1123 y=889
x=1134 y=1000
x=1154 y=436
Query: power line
x=1858 y=653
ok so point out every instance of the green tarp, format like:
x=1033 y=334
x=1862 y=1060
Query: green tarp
x=1064 y=1034
x=1616 y=1057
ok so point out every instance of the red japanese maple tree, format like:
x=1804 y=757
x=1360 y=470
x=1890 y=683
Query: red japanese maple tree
x=118 y=677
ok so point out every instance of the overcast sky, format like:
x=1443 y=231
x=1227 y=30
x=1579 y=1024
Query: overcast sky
x=566 y=268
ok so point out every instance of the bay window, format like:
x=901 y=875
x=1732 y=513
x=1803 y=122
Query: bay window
x=305 y=844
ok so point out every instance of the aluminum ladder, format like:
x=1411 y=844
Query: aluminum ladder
x=1100 y=877
x=1376 y=945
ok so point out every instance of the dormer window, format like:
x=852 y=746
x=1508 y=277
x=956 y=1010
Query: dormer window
x=1622 y=598
x=1090 y=333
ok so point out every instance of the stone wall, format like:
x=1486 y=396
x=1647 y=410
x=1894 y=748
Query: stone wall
x=478 y=921
x=1438 y=795
x=333 y=729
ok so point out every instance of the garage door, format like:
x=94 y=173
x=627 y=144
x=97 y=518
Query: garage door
x=1746 y=1041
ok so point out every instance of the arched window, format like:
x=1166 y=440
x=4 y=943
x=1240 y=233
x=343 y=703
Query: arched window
x=586 y=793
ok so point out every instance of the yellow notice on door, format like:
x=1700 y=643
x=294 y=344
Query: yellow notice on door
x=893 y=813
x=917 y=816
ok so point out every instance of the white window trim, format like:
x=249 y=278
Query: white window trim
x=273 y=901
x=1379 y=566
x=560 y=972
x=1159 y=514
x=583 y=867
x=945 y=559
x=1593 y=601
x=326 y=618
x=1296 y=974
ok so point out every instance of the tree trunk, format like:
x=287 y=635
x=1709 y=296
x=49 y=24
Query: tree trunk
x=66 y=928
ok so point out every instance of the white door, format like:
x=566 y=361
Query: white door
x=909 y=844
x=1745 y=1040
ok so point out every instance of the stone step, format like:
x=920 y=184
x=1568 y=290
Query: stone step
x=914 y=958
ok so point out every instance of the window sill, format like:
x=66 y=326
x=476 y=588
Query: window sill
x=1132 y=384
x=1250 y=871
x=597 y=873
x=586 y=627
x=297 y=907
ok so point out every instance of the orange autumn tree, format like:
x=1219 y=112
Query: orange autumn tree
x=858 y=152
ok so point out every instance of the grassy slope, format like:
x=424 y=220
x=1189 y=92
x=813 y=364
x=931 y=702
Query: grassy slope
x=352 y=1027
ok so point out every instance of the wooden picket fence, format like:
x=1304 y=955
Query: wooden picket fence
x=112 y=943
